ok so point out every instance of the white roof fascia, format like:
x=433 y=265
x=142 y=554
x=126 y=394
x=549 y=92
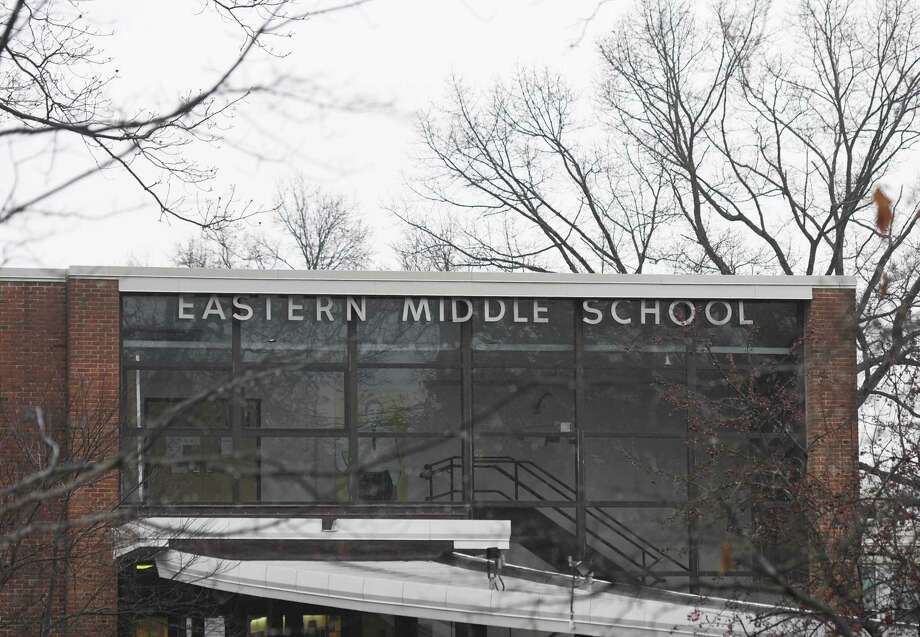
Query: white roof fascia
x=447 y=284
x=464 y=534
x=433 y=590
x=33 y=274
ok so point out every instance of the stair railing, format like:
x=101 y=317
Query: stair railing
x=650 y=555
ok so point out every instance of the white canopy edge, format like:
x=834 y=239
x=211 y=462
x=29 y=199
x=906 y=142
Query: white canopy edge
x=464 y=534
x=432 y=590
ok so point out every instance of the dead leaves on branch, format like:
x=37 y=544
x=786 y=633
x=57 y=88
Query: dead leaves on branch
x=884 y=216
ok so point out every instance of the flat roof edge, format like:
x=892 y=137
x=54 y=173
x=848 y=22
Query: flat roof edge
x=33 y=274
x=399 y=283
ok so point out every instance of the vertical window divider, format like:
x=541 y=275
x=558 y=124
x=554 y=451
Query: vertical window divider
x=466 y=401
x=693 y=556
x=237 y=404
x=580 y=511
x=351 y=407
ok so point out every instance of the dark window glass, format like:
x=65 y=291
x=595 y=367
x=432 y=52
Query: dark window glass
x=151 y=394
x=302 y=399
x=530 y=332
x=747 y=393
x=318 y=334
x=298 y=470
x=153 y=333
x=187 y=468
x=524 y=468
x=402 y=331
x=398 y=469
x=776 y=324
x=524 y=400
x=407 y=400
x=640 y=540
x=641 y=393
x=635 y=469
x=607 y=340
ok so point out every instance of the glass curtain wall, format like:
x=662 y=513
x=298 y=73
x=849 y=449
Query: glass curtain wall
x=602 y=429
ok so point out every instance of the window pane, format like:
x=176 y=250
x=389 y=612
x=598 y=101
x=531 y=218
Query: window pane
x=519 y=338
x=304 y=399
x=299 y=470
x=654 y=541
x=642 y=392
x=400 y=400
x=607 y=338
x=524 y=400
x=635 y=469
x=775 y=324
x=396 y=469
x=194 y=468
x=152 y=331
x=318 y=334
x=150 y=394
x=397 y=332
x=524 y=468
x=748 y=393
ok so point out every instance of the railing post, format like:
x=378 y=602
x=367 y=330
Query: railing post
x=517 y=495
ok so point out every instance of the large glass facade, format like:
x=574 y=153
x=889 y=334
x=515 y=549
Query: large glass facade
x=599 y=427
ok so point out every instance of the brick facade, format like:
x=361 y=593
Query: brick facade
x=58 y=363
x=93 y=388
x=832 y=436
x=33 y=368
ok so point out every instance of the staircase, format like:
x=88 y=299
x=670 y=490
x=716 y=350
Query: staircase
x=614 y=549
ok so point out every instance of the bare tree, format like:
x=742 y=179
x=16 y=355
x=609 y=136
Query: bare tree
x=306 y=229
x=518 y=153
x=745 y=142
x=55 y=94
x=318 y=231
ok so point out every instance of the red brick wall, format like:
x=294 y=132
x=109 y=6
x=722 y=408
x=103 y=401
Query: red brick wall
x=93 y=388
x=832 y=435
x=33 y=370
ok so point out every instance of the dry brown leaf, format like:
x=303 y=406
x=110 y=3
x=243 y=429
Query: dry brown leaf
x=883 y=213
x=883 y=285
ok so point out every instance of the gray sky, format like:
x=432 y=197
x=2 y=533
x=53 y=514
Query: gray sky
x=397 y=53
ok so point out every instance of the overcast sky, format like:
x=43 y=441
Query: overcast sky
x=396 y=54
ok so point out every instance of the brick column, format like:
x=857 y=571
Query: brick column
x=33 y=370
x=93 y=386
x=832 y=438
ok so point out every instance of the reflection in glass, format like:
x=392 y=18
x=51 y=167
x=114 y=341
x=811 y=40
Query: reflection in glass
x=653 y=541
x=524 y=468
x=186 y=468
x=149 y=395
x=395 y=469
x=319 y=337
x=635 y=469
x=748 y=394
x=152 y=331
x=507 y=342
x=303 y=399
x=300 y=470
x=641 y=393
x=401 y=400
x=524 y=400
x=385 y=337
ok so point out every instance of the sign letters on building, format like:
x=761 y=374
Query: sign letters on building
x=682 y=312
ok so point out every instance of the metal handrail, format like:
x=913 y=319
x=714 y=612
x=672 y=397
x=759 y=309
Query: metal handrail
x=559 y=487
